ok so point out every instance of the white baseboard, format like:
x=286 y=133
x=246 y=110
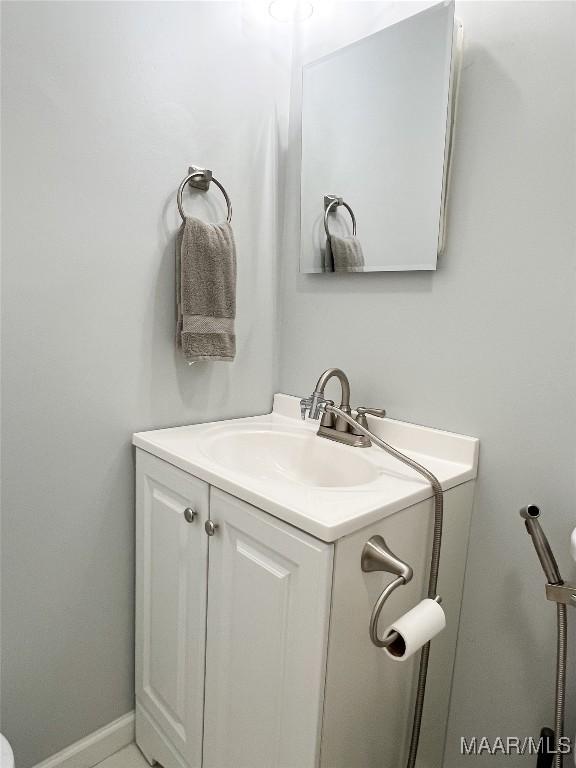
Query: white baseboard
x=96 y=747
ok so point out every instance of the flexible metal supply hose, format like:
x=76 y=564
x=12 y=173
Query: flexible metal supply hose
x=531 y=516
x=560 y=681
x=434 y=568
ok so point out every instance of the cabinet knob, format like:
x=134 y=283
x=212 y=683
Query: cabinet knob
x=189 y=515
x=210 y=527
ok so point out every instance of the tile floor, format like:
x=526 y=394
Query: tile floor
x=129 y=757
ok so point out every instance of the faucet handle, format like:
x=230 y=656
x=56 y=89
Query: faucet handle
x=361 y=412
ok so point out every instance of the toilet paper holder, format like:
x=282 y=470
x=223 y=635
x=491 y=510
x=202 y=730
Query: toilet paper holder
x=377 y=556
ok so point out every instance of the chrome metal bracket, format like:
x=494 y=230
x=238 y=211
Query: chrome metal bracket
x=329 y=199
x=565 y=594
x=200 y=182
x=377 y=556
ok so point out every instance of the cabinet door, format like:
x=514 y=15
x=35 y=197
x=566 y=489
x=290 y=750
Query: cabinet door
x=268 y=614
x=171 y=572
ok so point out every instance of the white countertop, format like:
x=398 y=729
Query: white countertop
x=325 y=512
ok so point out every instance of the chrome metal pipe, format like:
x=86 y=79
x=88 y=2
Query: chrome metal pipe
x=530 y=514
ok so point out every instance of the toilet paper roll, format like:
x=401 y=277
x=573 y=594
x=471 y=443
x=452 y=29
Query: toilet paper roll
x=415 y=629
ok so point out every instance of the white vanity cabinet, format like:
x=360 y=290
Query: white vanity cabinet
x=231 y=628
x=252 y=610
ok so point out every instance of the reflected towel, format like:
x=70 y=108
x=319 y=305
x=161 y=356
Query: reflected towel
x=206 y=290
x=344 y=254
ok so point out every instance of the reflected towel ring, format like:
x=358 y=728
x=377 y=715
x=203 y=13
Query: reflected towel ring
x=335 y=202
x=197 y=174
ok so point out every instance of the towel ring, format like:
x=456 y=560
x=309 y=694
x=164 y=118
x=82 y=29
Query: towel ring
x=198 y=174
x=335 y=202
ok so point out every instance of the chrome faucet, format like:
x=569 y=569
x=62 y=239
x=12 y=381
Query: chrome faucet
x=336 y=427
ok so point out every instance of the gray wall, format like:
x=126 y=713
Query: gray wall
x=485 y=346
x=104 y=106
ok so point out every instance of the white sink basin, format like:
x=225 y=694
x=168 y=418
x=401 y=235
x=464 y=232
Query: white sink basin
x=277 y=463
x=290 y=455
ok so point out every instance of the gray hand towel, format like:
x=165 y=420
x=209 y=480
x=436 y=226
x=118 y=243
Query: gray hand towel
x=206 y=290
x=344 y=254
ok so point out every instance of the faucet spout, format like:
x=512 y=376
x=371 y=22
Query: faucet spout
x=336 y=424
x=339 y=424
x=344 y=383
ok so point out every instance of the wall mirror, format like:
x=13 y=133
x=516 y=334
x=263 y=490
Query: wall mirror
x=376 y=125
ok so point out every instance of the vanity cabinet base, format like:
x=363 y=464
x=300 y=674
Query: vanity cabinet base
x=252 y=636
x=232 y=628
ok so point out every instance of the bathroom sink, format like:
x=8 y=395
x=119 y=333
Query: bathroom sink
x=289 y=455
x=276 y=462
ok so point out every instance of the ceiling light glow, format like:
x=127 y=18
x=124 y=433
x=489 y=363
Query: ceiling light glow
x=290 y=10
